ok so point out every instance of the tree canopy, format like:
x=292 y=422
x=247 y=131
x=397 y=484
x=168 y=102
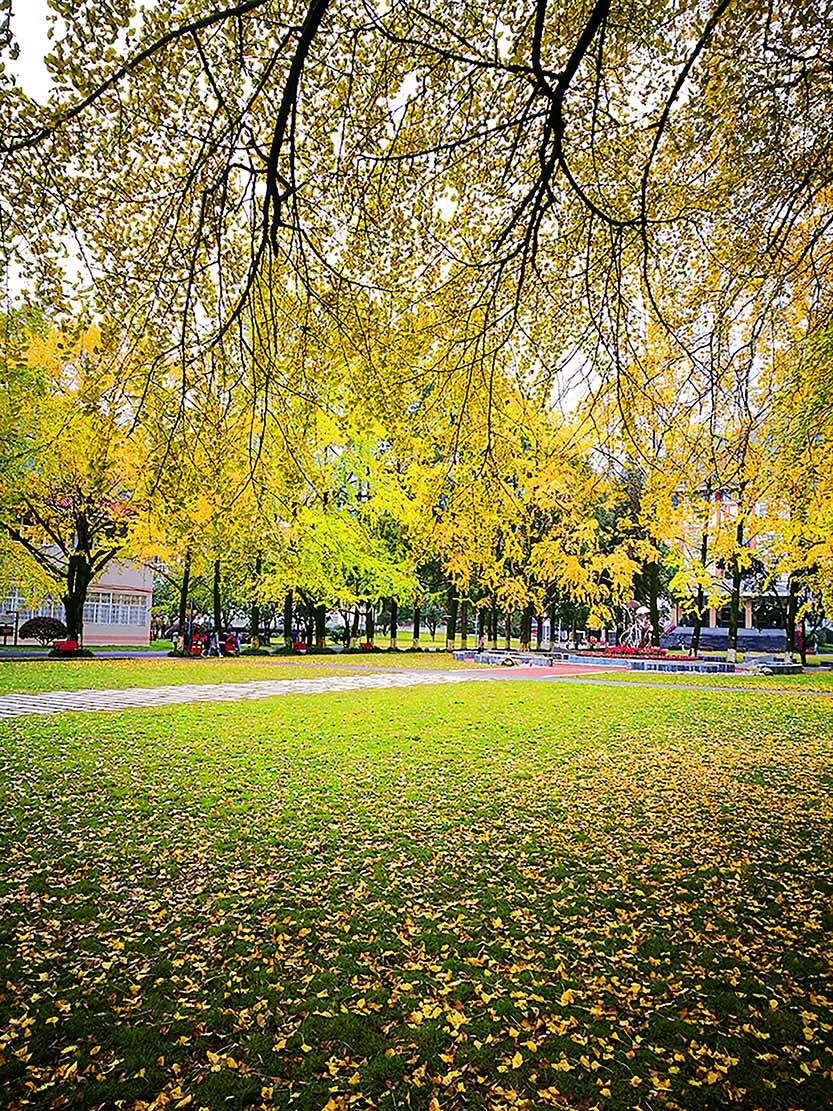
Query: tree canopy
x=519 y=289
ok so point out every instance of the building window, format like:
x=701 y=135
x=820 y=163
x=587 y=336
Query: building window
x=724 y=615
x=97 y=608
x=16 y=603
x=768 y=613
x=129 y=609
x=101 y=608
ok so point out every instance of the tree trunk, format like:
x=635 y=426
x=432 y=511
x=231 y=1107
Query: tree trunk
x=254 y=628
x=652 y=586
x=183 y=601
x=288 y=615
x=792 y=610
x=553 y=616
x=493 y=622
x=218 y=617
x=508 y=636
x=539 y=631
x=464 y=623
x=309 y=625
x=394 y=622
x=734 y=601
x=451 y=629
x=369 y=624
x=526 y=627
x=417 y=623
x=320 y=628
x=701 y=599
x=79 y=576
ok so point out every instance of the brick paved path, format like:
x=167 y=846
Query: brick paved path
x=55 y=702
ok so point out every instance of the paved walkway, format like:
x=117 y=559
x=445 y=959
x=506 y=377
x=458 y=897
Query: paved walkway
x=56 y=702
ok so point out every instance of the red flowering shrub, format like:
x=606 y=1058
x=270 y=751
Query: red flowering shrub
x=627 y=651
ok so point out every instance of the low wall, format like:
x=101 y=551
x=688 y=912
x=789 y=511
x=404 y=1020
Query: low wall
x=541 y=659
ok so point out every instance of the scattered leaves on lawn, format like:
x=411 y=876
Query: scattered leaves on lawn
x=561 y=896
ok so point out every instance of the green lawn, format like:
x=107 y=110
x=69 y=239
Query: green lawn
x=19 y=676
x=494 y=896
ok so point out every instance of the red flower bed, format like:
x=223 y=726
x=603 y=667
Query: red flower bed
x=625 y=650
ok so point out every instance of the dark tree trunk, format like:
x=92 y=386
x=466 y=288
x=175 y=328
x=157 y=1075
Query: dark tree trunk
x=539 y=631
x=369 y=624
x=348 y=638
x=394 y=621
x=320 y=628
x=493 y=624
x=508 y=636
x=481 y=624
x=526 y=627
x=652 y=588
x=553 y=623
x=792 y=610
x=254 y=629
x=464 y=623
x=183 y=600
x=417 y=623
x=734 y=601
x=701 y=598
x=218 y=617
x=288 y=616
x=79 y=577
x=451 y=629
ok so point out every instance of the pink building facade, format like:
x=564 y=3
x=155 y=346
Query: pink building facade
x=117 y=609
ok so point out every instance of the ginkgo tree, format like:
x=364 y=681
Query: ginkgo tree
x=67 y=502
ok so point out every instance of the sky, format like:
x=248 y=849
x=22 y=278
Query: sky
x=29 y=25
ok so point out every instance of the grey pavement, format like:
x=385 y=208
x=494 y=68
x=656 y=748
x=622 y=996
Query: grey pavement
x=55 y=702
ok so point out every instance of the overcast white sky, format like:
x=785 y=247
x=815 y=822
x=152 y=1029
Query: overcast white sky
x=30 y=26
